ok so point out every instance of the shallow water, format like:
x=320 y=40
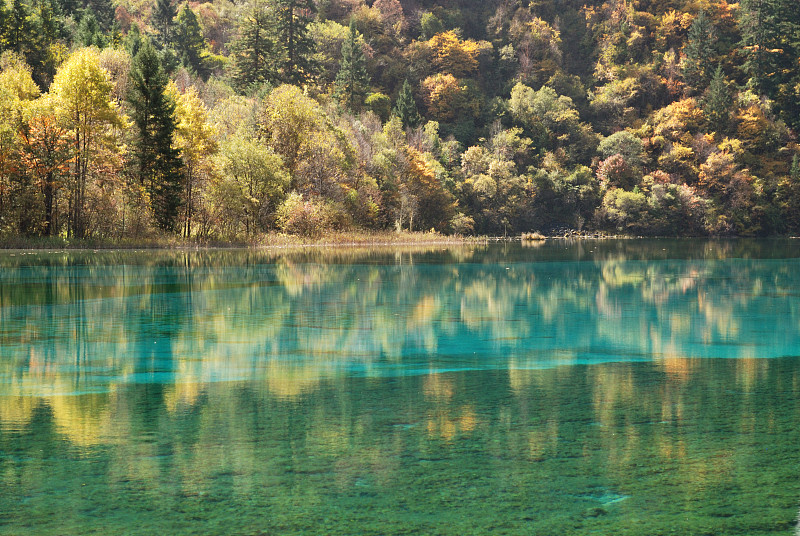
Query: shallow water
x=614 y=387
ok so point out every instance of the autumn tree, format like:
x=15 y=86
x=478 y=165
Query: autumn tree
x=195 y=139
x=81 y=94
x=47 y=151
x=253 y=182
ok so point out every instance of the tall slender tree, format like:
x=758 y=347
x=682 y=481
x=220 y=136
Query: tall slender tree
x=352 y=81
x=81 y=92
x=253 y=51
x=406 y=107
x=164 y=20
x=698 y=54
x=158 y=162
x=718 y=102
x=189 y=41
x=295 y=64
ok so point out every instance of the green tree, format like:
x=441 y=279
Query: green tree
x=698 y=54
x=254 y=50
x=352 y=81
x=623 y=143
x=81 y=93
x=89 y=32
x=158 y=161
x=406 y=107
x=164 y=19
x=255 y=179
x=718 y=102
x=189 y=41
x=103 y=10
x=19 y=29
x=295 y=47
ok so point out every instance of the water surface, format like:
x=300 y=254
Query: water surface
x=611 y=387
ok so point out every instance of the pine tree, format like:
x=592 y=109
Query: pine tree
x=406 y=107
x=89 y=31
x=5 y=17
x=164 y=19
x=718 y=102
x=698 y=54
x=771 y=44
x=189 y=41
x=159 y=166
x=352 y=80
x=19 y=30
x=253 y=51
x=295 y=64
x=103 y=11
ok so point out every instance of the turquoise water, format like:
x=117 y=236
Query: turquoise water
x=613 y=387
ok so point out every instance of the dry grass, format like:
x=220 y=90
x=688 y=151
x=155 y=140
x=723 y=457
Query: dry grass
x=271 y=240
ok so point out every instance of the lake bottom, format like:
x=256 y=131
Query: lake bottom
x=677 y=446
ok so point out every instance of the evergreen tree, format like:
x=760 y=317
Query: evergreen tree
x=253 y=51
x=189 y=41
x=771 y=44
x=295 y=47
x=5 y=17
x=19 y=29
x=132 y=41
x=406 y=107
x=159 y=165
x=352 y=80
x=164 y=19
x=698 y=54
x=103 y=11
x=89 y=31
x=718 y=102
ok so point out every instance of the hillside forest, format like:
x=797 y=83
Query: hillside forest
x=227 y=120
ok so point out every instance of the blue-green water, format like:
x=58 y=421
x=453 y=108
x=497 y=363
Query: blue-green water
x=614 y=387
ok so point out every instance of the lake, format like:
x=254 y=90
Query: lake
x=600 y=387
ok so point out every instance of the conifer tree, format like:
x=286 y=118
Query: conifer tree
x=189 y=41
x=406 y=107
x=89 y=31
x=253 y=51
x=164 y=19
x=19 y=29
x=103 y=11
x=352 y=80
x=159 y=166
x=5 y=17
x=295 y=64
x=718 y=102
x=698 y=54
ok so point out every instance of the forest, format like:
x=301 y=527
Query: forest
x=227 y=120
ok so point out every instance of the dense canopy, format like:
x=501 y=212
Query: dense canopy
x=229 y=119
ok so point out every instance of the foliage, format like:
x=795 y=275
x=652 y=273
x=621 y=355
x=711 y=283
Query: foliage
x=647 y=117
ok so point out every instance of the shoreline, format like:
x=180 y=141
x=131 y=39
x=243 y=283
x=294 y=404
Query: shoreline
x=270 y=241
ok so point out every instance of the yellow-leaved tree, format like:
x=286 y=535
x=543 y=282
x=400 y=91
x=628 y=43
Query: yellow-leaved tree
x=82 y=99
x=196 y=139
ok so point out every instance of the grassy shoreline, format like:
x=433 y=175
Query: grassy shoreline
x=268 y=241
